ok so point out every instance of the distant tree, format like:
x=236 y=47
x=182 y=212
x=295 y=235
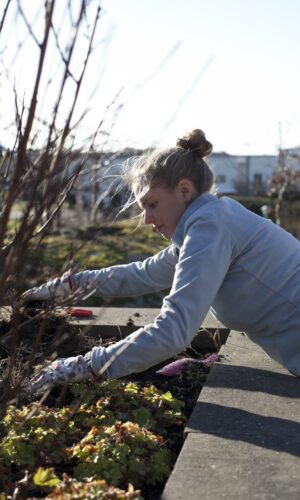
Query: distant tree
x=285 y=183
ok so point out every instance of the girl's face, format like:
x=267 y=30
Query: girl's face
x=163 y=207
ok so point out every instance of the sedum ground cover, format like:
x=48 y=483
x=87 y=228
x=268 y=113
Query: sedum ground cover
x=114 y=440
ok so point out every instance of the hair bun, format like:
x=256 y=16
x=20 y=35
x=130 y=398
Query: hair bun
x=195 y=142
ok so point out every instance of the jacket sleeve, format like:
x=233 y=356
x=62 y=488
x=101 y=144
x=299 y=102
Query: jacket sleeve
x=138 y=278
x=203 y=263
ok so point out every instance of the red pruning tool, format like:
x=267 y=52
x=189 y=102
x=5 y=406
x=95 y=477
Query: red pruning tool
x=81 y=313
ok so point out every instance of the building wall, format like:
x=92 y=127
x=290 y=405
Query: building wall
x=242 y=174
x=225 y=171
x=236 y=174
x=261 y=168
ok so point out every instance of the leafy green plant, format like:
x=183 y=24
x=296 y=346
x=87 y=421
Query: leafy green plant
x=30 y=440
x=46 y=478
x=69 y=489
x=123 y=450
x=117 y=400
x=108 y=436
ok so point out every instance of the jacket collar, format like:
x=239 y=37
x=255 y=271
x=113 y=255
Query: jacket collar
x=178 y=235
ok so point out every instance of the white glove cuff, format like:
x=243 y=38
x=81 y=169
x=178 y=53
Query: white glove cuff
x=61 y=288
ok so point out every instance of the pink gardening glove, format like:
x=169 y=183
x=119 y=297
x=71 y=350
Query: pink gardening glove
x=57 y=290
x=60 y=372
x=176 y=367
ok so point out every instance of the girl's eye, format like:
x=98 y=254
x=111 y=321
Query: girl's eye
x=151 y=205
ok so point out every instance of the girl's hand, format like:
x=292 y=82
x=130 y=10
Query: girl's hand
x=56 y=290
x=60 y=372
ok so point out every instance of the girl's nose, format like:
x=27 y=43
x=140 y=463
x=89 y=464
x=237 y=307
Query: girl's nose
x=148 y=219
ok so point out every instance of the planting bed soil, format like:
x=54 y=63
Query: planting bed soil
x=114 y=440
x=43 y=331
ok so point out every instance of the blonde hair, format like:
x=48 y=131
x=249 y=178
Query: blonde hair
x=169 y=166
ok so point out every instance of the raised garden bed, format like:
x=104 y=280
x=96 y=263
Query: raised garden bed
x=119 y=439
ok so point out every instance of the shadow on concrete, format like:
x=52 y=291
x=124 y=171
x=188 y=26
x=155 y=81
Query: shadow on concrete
x=254 y=380
x=273 y=433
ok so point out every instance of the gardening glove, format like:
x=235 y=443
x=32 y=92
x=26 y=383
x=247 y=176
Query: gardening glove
x=58 y=290
x=62 y=371
x=178 y=366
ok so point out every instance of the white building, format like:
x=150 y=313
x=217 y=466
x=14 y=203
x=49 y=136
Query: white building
x=242 y=174
x=234 y=174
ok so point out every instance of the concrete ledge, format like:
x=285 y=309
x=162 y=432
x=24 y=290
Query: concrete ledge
x=243 y=437
x=240 y=470
x=119 y=322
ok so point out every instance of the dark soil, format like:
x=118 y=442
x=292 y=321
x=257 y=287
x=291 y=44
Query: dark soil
x=33 y=329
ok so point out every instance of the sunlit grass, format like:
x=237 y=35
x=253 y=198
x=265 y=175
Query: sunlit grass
x=110 y=244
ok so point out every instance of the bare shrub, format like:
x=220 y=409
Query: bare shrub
x=38 y=172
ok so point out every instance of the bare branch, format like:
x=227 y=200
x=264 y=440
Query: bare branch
x=57 y=208
x=28 y=25
x=68 y=121
x=4 y=14
x=20 y=167
x=66 y=72
x=48 y=20
x=64 y=60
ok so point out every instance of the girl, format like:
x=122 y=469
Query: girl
x=221 y=256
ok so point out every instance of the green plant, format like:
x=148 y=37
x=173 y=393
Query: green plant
x=116 y=431
x=69 y=489
x=114 y=434
x=123 y=450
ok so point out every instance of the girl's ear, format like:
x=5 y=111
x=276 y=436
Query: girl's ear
x=188 y=190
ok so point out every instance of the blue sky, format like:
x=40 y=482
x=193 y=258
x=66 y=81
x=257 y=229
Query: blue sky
x=230 y=67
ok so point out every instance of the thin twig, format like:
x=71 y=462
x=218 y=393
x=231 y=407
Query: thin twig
x=28 y=25
x=4 y=14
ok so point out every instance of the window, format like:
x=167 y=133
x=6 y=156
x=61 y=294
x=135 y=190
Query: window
x=220 y=179
x=258 y=178
x=257 y=187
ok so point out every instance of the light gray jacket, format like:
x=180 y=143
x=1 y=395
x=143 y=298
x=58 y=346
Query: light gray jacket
x=242 y=266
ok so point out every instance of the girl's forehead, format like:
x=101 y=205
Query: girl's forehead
x=141 y=193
